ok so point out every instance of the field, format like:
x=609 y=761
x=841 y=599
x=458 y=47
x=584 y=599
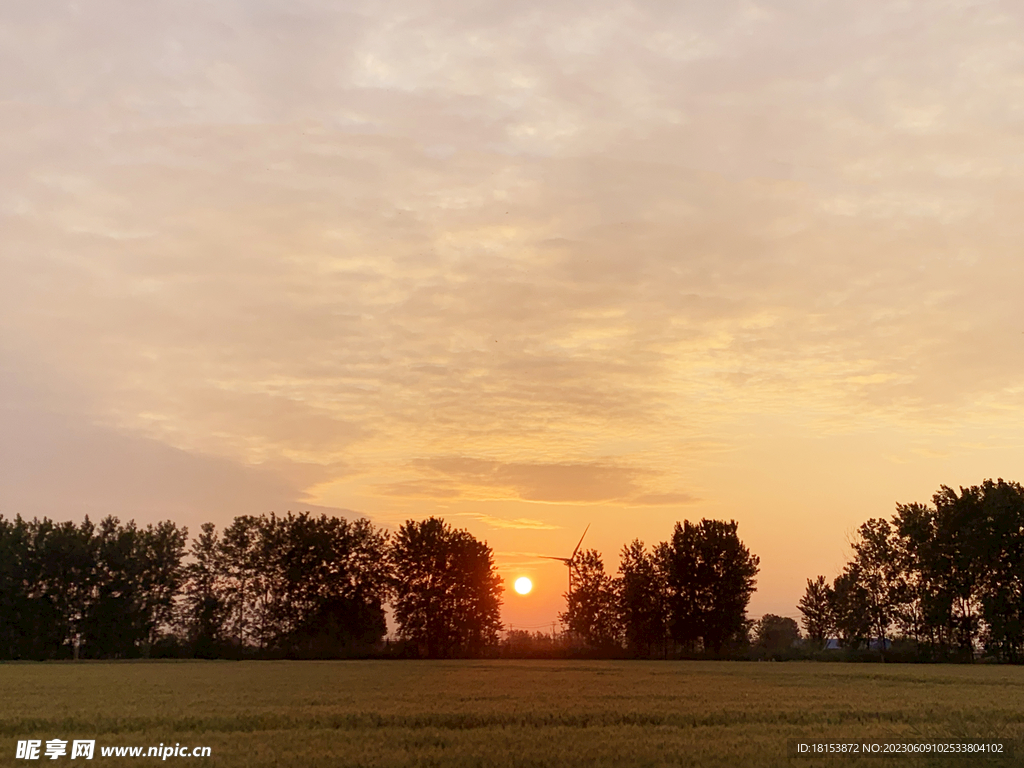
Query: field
x=504 y=713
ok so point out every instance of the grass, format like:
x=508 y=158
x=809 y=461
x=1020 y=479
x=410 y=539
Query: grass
x=506 y=713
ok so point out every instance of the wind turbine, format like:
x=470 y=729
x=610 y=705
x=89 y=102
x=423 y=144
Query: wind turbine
x=571 y=560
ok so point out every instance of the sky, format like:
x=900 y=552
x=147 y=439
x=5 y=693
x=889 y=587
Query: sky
x=525 y=266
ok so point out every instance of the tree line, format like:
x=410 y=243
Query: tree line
x=302 y=586
x=292 y=586
x=113 y=584
x=938 y=582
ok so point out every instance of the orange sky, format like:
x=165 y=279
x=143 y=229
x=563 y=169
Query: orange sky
x=526 y=267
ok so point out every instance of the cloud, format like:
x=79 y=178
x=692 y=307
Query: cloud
x=662 y=499
x=419 y=489
x=54 y=463
x=556 y=483
x=519 y=523
x=583 y=240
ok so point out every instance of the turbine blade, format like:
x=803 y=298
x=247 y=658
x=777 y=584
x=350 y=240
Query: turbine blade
x=578 y=545
x=561 y=559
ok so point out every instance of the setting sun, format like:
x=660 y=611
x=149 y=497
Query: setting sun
x=523 y=585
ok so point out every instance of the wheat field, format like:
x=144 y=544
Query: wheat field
x=504 y=713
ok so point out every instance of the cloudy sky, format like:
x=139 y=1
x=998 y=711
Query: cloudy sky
x=527 y=266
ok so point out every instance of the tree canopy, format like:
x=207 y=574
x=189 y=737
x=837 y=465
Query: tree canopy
x=590 y=612
x=711 y=576
x=775 y=634
x=447 y=591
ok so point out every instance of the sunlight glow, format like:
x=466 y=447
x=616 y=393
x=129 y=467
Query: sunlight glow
x=523 y=585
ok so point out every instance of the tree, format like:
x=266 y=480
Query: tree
x=922 y=614
x=642 y=590
x=244 y=548
x=816 y=609
x=775 y=634
x=47 y=583
x=447 y=589
x=879 y=575
x=711 y=576
x=961 y=553
x=1001 y=505
x=296 y=586
x=590 y=612
x=205 y=611
x=959 y=559
x=688 y=584
x=334 y=577
x=64 y=583
x=850 y=605
x=112 y=624
x=965 y=563
x=20 y=615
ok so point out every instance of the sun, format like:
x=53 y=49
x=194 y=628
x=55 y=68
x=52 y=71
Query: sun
x=523 y=585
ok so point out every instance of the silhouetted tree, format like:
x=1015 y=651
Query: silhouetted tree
x=851 y=608
x=161 y=549
x=23 y=616
x=711 y=576
x=775 y=634
x=816 y=611
x=205 y=610
x=642 y=589
x=66 y=579
x=591 y=612
x=1001 y=505
x=447 y=589
x=878 y=573
x=965 y=564
x=296 y=585
x=962 y=561
x=240 y=553
x=137 y=574
x=335 y=577
x=963 y=538
x=921 y=615
x=48 y=574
